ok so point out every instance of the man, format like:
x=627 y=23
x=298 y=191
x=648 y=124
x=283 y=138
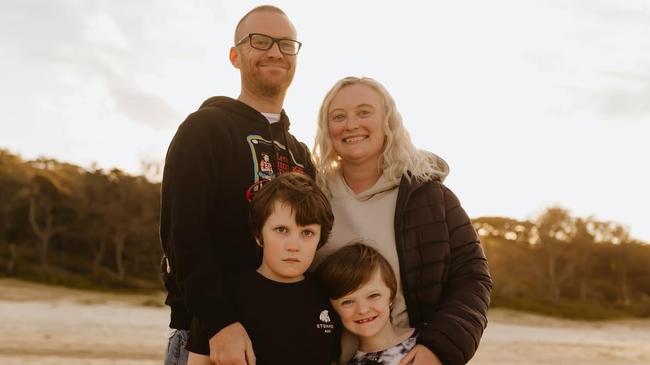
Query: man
x=218 y=158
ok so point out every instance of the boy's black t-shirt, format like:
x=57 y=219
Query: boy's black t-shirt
x=288 y=323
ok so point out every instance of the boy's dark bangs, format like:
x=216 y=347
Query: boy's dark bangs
x=308 y=212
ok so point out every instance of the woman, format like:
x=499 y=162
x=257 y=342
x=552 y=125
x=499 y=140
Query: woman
x=386 y=192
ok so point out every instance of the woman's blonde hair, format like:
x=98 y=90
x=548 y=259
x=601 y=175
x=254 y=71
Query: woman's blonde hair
x=399 y=158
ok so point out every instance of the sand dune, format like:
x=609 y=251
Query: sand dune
x=52 y=325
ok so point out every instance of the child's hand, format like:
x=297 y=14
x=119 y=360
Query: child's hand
x=232 y=346
x=420 y=355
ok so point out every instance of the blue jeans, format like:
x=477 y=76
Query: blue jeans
x=176 y=352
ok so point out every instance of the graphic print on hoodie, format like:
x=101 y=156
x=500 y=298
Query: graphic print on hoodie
x=263 y=167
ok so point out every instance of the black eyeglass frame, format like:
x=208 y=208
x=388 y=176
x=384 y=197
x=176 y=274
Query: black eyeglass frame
x=274 y=40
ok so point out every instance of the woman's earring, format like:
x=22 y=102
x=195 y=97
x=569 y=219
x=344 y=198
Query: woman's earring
x=258 y=242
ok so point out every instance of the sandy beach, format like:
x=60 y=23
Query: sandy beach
x=53 y=325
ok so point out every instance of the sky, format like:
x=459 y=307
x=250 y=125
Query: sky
x=532 y=103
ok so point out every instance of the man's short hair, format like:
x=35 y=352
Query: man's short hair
x=352 y=266
x=268 y=8
x=300 y=192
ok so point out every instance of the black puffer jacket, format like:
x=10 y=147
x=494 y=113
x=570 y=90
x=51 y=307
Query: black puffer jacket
x=443 y=269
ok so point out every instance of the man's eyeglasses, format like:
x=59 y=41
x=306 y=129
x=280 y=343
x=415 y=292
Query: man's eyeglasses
x=264 y=42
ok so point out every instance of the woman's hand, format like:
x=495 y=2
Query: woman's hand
x=420 y=355
x=232 y=346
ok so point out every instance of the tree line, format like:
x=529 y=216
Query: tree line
x=60 y=223
x=564 y=265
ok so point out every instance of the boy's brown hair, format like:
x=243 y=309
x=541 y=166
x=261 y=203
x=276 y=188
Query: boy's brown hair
x=300 y=192
x=350 y=267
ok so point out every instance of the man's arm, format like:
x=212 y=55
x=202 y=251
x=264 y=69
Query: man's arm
x=190 y=179
x=231 y=345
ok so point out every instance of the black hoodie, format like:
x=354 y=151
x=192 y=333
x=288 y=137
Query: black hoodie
x=218 y=156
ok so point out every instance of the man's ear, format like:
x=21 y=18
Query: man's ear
x=234 y=57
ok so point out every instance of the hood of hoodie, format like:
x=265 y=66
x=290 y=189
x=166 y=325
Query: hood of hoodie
x=278 y=132
x=243 y=109
x=339 y=188
x=440 y=165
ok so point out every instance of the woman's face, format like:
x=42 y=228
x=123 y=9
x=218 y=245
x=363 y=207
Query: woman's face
x=354 y=119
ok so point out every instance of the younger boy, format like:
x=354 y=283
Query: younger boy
x=361 y=286
x=285 y=314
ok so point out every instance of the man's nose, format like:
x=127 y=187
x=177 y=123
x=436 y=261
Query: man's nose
x=274 y=51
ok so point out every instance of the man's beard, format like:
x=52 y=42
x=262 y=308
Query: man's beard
x=270 y=90
x=268 y=86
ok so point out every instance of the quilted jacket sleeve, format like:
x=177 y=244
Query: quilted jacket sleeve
x=456 y=327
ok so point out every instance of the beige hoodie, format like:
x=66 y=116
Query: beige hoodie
x=368 y=217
